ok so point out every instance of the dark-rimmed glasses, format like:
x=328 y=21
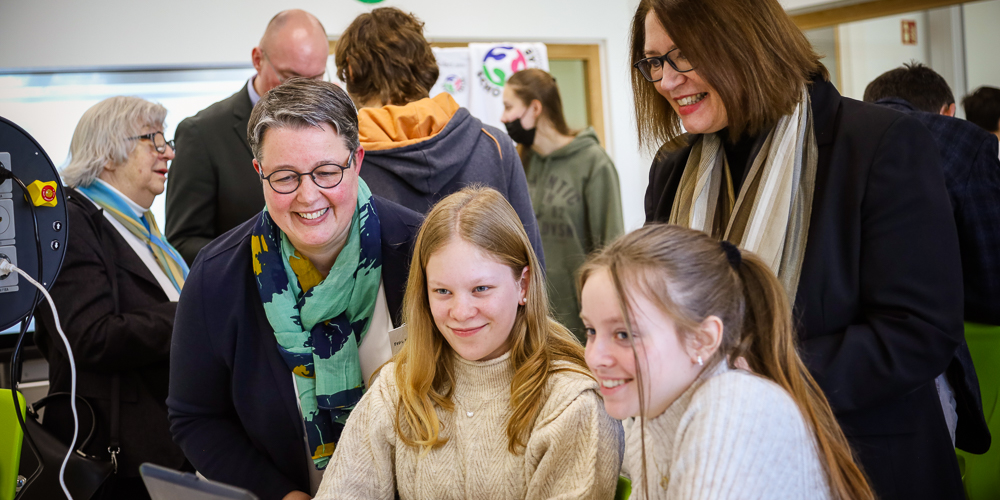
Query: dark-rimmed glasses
x=160 y=142
x=651 y=68
x=325 y=176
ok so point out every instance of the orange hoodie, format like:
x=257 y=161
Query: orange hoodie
x=397 y=126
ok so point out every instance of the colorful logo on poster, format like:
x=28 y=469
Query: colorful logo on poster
x=501 y=62
x=453 y=84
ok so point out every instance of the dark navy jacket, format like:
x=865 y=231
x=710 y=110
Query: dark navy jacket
x=232 y=404
x=972 y=174
x=879 y=302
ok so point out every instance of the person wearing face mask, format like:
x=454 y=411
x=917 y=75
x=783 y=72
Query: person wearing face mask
x=421 y=148
x=671 y=315
x=845 y=201
x=116 y=294
x=490 y=397
x=572 y=181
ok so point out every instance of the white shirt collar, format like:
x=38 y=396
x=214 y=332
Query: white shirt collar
x=252 y=91
x=136 y=208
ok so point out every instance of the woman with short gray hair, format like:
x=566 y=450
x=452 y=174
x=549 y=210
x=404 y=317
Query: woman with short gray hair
x=286 y=316
x=117 y=292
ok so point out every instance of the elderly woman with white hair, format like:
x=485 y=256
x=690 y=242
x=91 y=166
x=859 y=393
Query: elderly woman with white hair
x=117 y=292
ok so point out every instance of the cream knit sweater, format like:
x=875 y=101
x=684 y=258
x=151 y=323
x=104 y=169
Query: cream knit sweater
x=731 y=435
x=574 y=451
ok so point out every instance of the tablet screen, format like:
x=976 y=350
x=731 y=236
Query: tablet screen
x=168 y=484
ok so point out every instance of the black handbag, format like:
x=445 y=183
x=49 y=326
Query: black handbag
x=84 y=473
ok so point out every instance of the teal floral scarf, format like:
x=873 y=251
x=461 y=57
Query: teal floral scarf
x=320 y=322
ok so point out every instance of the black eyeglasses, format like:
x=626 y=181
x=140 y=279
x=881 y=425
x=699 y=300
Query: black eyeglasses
x=326 y=176
x=159 y=141
x=651 y=68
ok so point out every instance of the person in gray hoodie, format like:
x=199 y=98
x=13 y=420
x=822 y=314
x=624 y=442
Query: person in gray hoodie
x=573 y=185
x=419 y=149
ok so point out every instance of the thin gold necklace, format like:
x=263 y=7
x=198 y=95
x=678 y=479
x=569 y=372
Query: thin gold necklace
x=470 y=410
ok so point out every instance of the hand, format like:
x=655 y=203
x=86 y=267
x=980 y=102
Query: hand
x=297 y=495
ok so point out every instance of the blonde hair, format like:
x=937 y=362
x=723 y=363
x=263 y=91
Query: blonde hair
x=102 y=136
x=424 y=368
x=690 y=277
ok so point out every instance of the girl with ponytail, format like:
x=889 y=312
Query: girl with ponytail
x=695 y=339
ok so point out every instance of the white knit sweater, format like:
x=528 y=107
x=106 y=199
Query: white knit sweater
x=574 y=451
x=731 y=435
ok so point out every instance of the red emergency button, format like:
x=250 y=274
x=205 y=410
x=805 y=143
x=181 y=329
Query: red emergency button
x=43 y=194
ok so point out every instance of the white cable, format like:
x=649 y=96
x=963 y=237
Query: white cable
x=7 y=267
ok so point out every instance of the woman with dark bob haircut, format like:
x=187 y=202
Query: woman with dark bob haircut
x=844 y=201
x=420 y=148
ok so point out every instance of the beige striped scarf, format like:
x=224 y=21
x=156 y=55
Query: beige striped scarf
x=771 y=215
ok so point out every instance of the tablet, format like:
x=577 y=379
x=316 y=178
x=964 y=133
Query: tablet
x=168 y=484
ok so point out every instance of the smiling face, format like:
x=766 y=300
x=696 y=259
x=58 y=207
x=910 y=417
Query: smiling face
x=664 y=358
x=141 y=178
x=316 y=221
x=474 y=299
x=696 y=102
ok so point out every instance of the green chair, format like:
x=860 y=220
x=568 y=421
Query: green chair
x=981 y=473
x=10 y=443
x=624 y=489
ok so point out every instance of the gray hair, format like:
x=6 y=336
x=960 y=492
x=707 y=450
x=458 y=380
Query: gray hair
x=301 y=102
x=102 y=136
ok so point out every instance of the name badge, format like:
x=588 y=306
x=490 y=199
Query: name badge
x=397 y=337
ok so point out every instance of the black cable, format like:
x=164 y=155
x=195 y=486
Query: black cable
x=15 y=368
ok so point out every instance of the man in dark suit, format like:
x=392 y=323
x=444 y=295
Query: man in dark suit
x=972 y=175
x=213 y=187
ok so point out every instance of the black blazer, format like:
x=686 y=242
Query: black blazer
x=972 y=174
x=233 y=408
x=879 y=303
x=134 y=343
x=212 y=186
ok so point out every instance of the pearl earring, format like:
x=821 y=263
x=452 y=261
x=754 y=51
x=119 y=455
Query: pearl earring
x=700 y=362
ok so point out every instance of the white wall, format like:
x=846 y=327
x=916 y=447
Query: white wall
x=103 y=33
x=982 y=39
x=947 y=49
x=59 y=33
x=870 y=48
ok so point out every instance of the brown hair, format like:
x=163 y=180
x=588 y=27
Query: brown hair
x=690 y=277
x=758 y=65
x=424 y=373
x=384 y=56
x=533 y=84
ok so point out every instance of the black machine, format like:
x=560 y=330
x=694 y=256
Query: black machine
x=33 y=225
x=33 y=234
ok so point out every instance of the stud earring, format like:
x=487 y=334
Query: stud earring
x=524 y=300
x=700 y=362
